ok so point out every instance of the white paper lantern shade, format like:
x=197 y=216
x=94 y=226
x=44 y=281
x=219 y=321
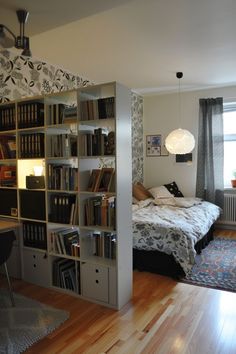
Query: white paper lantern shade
x=180 y=141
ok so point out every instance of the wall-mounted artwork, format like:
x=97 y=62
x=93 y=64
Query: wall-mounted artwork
x=153 y=145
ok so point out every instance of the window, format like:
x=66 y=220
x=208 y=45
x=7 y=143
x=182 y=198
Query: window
x=229 y=123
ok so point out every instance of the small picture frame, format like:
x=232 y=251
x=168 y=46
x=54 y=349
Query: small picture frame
x=106 y=179
x=153 y=145
x=94 y=180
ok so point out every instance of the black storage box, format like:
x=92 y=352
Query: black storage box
x=32 y=205
x=35 y=182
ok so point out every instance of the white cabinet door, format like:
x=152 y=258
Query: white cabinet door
x=35 y=267
x=94 y=282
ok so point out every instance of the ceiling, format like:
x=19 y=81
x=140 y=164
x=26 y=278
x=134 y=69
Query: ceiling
x=140 y=43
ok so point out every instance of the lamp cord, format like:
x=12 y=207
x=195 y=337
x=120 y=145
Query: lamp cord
x=179 y=106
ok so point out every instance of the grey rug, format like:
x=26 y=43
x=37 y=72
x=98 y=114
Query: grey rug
x=26 y=323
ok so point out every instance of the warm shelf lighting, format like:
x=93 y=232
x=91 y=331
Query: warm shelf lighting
x=180 y=141
x=38 y=170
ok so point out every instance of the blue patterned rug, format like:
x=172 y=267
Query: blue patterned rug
x=26 y=323
x=216 y=266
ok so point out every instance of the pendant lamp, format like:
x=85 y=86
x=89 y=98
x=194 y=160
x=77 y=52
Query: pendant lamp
x=180 y=141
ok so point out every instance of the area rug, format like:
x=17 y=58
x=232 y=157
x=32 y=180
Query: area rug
x=26 y=323
x=216 y=266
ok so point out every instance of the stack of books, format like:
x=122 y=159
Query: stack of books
x=64 y=209
x=30 y=114
x=102 y=108
x=34 y=235
x=100 y=211
x=104 y=244
x=65 y=241
x=7 y=118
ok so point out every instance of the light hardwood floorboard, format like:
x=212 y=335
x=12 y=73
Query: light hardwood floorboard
x=163 y=317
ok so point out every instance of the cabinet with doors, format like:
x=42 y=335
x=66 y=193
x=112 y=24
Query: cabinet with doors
x=68 y=158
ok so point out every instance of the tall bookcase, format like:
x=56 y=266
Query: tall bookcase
x=65 y=170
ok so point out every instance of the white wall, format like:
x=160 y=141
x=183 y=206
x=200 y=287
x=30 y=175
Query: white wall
x=160 y=117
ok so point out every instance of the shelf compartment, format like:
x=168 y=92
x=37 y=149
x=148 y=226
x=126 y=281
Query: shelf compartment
x=65 y=242
x=34 y=235
x=66 y=274
x=7 y=117
x=9 y=206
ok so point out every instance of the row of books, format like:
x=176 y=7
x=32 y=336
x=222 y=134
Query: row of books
x=31 y=145
x=34 y=234
x=65 y=241
x=101 y=108
x=95 y=143
x=64 y=209
x=7 y=147
x=104 y=244
x=62 y=177
x=62 y=145
x=8 y=175
x=7 y=118
x=60 y=113
x=30 y=114
x=64 y=274
x=55 y=113
x=100 y=211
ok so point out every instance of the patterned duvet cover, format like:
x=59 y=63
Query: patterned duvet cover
x=173 y=230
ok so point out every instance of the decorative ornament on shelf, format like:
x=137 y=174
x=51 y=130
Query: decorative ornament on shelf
x=180 y=141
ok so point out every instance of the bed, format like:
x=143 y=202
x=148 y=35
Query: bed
x=168 y=232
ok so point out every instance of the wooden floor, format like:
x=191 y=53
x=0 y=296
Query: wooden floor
x=163 y=317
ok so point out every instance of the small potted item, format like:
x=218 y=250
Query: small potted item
x=233 y=181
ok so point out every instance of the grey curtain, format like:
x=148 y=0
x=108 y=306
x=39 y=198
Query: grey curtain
x=210 y=161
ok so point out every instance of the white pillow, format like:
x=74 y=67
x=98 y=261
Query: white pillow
x=165 y=201
x=160 y=192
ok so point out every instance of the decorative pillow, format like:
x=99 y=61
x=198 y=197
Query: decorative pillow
x=160 y=192
x=140 y=192
x=174 y=189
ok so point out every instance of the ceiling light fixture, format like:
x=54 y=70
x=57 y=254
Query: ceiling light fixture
x=180 y=141
x=9 y=40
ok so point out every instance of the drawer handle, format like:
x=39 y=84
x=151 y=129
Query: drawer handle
x=34 y=265
x=97 y=281
x=97 y=271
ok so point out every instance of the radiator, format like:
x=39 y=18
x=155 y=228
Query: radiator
x=229 y=213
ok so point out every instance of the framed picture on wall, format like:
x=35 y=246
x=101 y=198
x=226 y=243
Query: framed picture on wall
x=153 y=145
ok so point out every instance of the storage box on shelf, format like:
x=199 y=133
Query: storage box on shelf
x=76 y=222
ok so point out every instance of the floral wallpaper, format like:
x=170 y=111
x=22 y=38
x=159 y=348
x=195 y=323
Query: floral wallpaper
x=23 y=77
x=137 y=137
